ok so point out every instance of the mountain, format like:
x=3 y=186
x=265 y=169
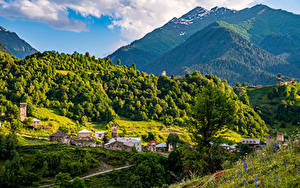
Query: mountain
x=15 y=44
x=168 y=36
x=219 y=50
x=261 y=25
x=4 y=49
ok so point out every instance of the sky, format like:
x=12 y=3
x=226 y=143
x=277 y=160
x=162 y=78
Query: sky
x=102 y=26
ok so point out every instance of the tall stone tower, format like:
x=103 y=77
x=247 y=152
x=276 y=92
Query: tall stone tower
x=278 y=79
x=164 y=73
x=23 y=111
x=114 y=130
x=280 y=137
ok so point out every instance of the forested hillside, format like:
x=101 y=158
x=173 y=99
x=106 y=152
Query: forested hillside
x=221 y=50
x=84 y=88
x=279 y=106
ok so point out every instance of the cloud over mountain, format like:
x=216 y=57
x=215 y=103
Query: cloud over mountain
x=134 y=18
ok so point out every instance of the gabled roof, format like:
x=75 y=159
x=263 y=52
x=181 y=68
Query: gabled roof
x=84 y=131
x=99 y=132
x=125 y=140
x=59 y=134
x=250 y=140
x=224 y=145
x=35 y=120
x=152 y=143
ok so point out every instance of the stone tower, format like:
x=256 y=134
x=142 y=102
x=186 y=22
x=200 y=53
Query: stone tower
x=278 y=79
x=114 y=130
x=280 y=137
x=164 y=73
x=23 y=111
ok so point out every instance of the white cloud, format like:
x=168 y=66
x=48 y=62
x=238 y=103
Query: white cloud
x=135 y=18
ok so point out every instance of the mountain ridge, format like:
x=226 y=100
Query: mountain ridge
x=257 y=23
x=17 y=46
x=219 y=50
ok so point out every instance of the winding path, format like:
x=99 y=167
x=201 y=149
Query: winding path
x=95 y=174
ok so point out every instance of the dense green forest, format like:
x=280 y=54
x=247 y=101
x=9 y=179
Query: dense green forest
x=279 y=106
x=88 y=89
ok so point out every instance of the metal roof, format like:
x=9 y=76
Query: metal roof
x=161 y=145
x=125 y=140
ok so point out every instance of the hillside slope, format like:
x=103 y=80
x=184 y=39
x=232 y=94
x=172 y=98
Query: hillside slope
x=4 y=49
x=267 y=168
x=15 y=44
x=279 y=106
x=86 y=89
x=218 y=50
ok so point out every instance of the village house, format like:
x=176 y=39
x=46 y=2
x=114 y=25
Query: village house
x=99 y=134
x=225 y=146
x=117 y=145
x=124 y=143
x=85 y=134
x=60 y=137
x=162 y=147
x=152 y=146
x=37 y=122
x=83 y=141
x=252 y=142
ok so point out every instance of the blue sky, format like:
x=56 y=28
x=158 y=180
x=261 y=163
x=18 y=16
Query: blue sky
x=101 y=26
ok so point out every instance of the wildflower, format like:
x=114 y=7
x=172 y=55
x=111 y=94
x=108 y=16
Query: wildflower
x=256 y=182
x=231 y=178
x=245 y=182
x=284 y=163
x=275 y=147
x=276 y=181
x=245 y=166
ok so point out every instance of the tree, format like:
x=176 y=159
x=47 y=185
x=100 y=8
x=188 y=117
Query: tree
x=63 y=180
x=78 y=183
x=173 y=139
x=213 y=111
x=238 y=84
x=119 y=62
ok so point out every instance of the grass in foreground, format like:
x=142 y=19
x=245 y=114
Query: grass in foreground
x=265 y=168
